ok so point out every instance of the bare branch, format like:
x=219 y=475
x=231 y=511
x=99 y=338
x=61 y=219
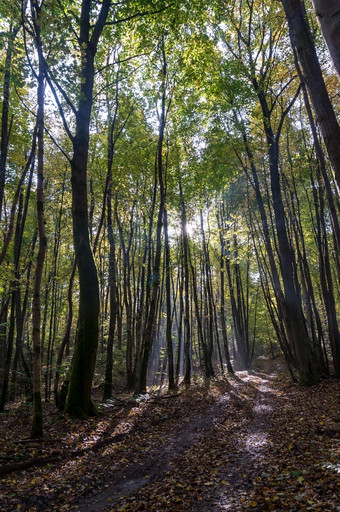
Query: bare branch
x=138 y=15
x=61 y=90
x=57 y=144
x=118 y=62
x=60 y=108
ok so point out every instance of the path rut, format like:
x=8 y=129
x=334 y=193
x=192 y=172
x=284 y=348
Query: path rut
x=250 y=399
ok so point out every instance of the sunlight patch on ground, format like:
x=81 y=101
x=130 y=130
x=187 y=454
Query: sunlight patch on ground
x=224 y=398
x=332 y=467
x=242 y=374
x=263 y=408
x=256 y=441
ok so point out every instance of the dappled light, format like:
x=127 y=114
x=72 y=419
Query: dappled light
x=169 y=255
x=242 y=444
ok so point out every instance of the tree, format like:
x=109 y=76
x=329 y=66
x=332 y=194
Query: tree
x=302 y=41
x=6 y=123
x=37 y=424
x=328 y=16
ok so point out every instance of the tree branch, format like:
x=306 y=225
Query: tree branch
x=138 y=15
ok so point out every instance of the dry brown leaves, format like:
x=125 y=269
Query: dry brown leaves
x=255 y=442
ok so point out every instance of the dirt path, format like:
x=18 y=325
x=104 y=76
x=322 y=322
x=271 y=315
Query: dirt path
x=254 y=442
x=246 y=450
x=237 y=421
x=249 y=448
x=156 y=463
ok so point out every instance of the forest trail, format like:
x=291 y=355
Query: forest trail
x=251 y=396
x=214 y=461
x=252 y=442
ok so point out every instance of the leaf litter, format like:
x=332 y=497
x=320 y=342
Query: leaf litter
x=253 y=441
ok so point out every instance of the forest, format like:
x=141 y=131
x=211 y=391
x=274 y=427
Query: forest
x=169 y=255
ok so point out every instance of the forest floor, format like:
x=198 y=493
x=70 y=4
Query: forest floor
x=254 y=441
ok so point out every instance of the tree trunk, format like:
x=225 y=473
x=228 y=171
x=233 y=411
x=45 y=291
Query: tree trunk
x=66 y=339
x=37 y=423
x=3 y=335
x=180 y=323
x=187 y=337
x=79 y=403
x=9 y=352
x=154 y=280
x=328 y=16
x=113 y=290
x=5 y=123
x=171 y=378
x=222 y=300
x=208 y=346
x=302 y=40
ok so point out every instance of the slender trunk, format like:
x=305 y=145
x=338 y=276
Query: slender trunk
x=113 y=290
x=326 y=278
x=28 y=166
x=9 y=352
x=21 y=311
x=180 y=323
x=328 y=16
x=17 y=305
x=37 y=423
x=187 y=338
x=222 y=299
x=294 y=318
x=3 y=336
x=171 y=378
x=60 y=402
x=200 y=334
x=5 y=123
x=155 y=278
x=127 y=295
x=54 y=301
x=302 y=40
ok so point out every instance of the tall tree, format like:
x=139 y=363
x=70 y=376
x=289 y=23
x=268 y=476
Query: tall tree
x=6 y=122
x=302 y=40
x=154 y=280
x=328 y=15
x=37 y=424
x=91 y=24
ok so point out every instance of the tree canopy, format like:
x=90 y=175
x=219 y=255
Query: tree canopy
x=169 y=195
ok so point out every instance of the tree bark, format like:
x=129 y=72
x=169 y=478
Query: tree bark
x=66 y=339
x=302 y=40
x=171 y=378
x=187 y=335
x=222 y=300
x=155 y=278
x=37 y=422
x=5 y=123
x=328 y=16
x=79 y=403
